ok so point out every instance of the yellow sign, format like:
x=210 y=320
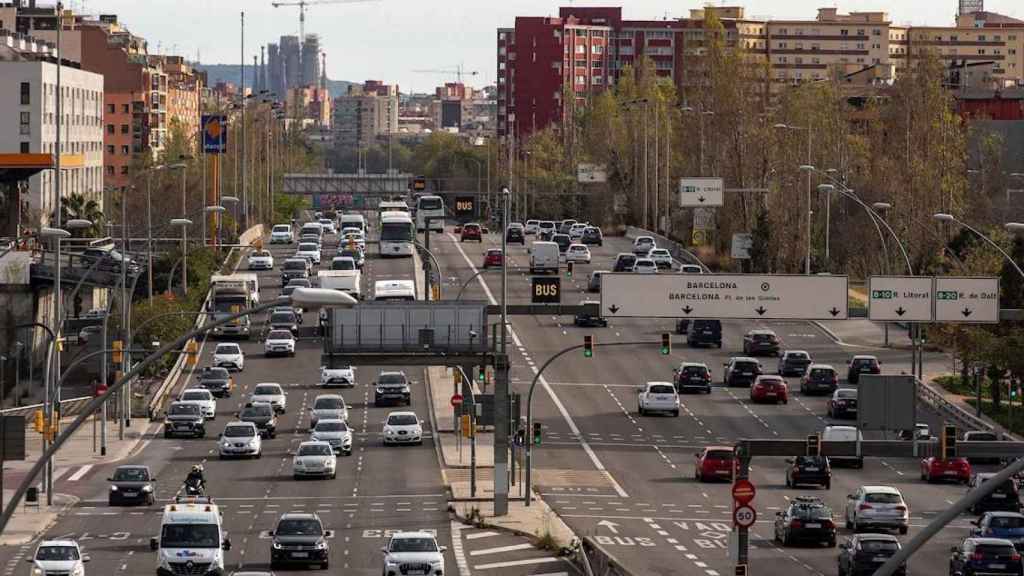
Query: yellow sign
x=700 y=237
x=467 y=426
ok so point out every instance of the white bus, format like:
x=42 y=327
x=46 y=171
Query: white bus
x=397 y=234
x=430 y=206
x=386 y=206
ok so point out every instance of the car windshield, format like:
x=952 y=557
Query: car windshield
x=282 y=229
x=876 y=546
x=131 y=475
x=228 y=349
x=239 y=432
x=57 y=553
x=299 y=527
x=215 y=373
x=282 y=318
x=763 y=336
x=719 y=454
x=196 y=395
x=267 y=390
x=413 y=545
x=391 y=379
x=177 y=409
x=330 y=427
x=315 y=450
x=262 y=254
x=257 y=411
x=279 y=335
x=328 y=404
x=883 y=498
x=295 y=265
x=190 y=536
x=402 y=420
x=847 y=394
x=662 y=389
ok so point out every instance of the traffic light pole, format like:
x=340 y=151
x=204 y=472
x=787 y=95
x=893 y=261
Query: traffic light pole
x=501 y=378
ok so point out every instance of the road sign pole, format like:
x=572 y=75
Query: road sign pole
x=743 y=533
x=501 y=379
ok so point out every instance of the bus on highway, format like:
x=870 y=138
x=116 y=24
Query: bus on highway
x=397 y=234
x=386 y=206
x=432 y=207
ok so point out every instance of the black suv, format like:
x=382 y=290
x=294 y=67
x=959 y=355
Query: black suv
x=515 y=235
x=693 y=376
x=285 y=320
x=989 y=556
x=862 y=365
x=809 y=470
x=300 y=538
x=761 y=341
x=294 y=268
x=263 y=416
x=217 y=380
x=592 y=236
x=807 y=519
x=184 y=420
x=1005 y=498
x=741 y=371
x=131 y=484
x=704 y=332
x=391 y=387
x=862 y=554
x=563 y=242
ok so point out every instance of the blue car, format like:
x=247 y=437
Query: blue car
x=1005 y=525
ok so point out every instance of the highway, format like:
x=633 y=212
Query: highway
x=628 y=480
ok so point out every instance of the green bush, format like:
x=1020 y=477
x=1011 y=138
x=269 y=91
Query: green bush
x=952 y=383
x=1002 y=417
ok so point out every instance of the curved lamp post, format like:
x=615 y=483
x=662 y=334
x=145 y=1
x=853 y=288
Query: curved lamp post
x=1012 y=227
x=184 y=223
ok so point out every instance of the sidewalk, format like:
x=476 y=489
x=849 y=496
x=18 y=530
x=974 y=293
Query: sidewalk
x=537 y=520
x=75 y=457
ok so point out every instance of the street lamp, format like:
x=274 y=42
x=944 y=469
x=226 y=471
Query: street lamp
x=184 y=223
x=1014 y=227
x=210 y=210
x=808 y=168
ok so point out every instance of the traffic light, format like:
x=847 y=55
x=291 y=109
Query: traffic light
x=666 y=344
x=520 y=438
x=192 y=350
x=118 y=347
x=568 y=268
x=588 y=346
x=481 y=374
x=39 y=422
x=536 y=434
x=814 y=445
x=948 y=442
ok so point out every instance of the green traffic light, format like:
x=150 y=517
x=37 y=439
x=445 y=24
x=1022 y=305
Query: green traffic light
x=588 y=353
x=480 y=376
x=664 y=351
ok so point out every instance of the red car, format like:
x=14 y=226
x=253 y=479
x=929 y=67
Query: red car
x=769 y=389
x=935 y=469
x=493 y=258
x=471 y=232
x=715 y=463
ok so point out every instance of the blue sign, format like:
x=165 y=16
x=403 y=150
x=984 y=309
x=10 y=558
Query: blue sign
x=215 y=133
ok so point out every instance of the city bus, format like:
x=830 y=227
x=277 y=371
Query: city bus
x=432 y=207
x=386 y=206
x=397 y=234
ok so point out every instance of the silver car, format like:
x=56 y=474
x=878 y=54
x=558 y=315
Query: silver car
x=336 y=433
x=327 y=407
x=877 y=507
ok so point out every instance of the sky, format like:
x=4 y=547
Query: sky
x=390 y=40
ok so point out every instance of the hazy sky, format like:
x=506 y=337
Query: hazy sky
x=389 y=39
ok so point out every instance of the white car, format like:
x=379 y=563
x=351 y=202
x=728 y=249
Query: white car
x=691 y=269
x=403 y=428
x=229 y=355
x=661 y=257
x=310 y=251
x=344 y=377
x=413 y=548
x=280 y=342
x=271 y=393
x=327 y=407
x=576 y=232
x=336 y=433
x=261 y=260
x=532 y=227
x=645 y=266
x=203 y=398
x=240 y=439
x=877 y=507
x=643 y=244
x=658 y=397
x=314 y=459
x=58 y=557
x=328 y=225
x=281 y=234
x=577 y=253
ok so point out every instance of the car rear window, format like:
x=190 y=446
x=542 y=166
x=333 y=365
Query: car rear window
x=279 y=335
x=266 y=390
x=720 y=454
x=215 y=373
x=294 y=265
x=227 y=349
x=879 y=546
x=822 y=373
x=197 y=395
x=308 y=247
x=698 y=371
x=764 y=337
x=883 y=498
x=329 y=404
x=846 y=394
x=391 y=379
x=662 y=389
x=258 y=410
x=282 y=318
x=797 y=356
x=812 y=511
x=281 y=229
x=1006 y=522
x=994 y=550
x=745 y=366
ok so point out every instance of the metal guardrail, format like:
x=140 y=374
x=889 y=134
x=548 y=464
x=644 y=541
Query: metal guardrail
x=955 y=414
x=69 y=407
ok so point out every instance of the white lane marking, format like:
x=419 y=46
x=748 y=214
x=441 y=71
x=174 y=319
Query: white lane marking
x=543 y=381
x=500 y=549
x=81 y=472
x=526 y=562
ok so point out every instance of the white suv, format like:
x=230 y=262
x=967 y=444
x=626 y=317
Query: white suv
x=877 y=507
x=59 y=557
x=658 y=397
x=406 y=550
x=281 y=234
x=229 y=355
x=202 y=398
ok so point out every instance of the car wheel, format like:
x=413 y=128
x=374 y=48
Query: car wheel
x=323 y=566
x=857 y=527
x=828 y=485
x=675 y=413
x=789 y=482
x=832 y=542
x=640 y=410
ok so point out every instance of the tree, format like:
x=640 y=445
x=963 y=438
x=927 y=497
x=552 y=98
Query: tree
x=75 y=206
x=762 y=254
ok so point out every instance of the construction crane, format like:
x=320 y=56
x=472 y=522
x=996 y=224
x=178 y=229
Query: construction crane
x=457 y=72
x=302 y=10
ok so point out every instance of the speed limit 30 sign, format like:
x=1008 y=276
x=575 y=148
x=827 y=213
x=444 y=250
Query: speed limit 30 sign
x=744 y=516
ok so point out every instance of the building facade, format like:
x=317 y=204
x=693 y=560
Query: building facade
x=366 y=112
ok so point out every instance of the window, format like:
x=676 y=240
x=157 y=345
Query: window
x=581 y=49
x=844 y=32
x=24 y=147
x=981 y=38
x=110 y=108
x=110 y=128
x=125 y=128
x=124 y=150
x=109 y=170
x=125 y=109
x=110 y=148
x=26 y=91
x=124 y=169
x=876 y=32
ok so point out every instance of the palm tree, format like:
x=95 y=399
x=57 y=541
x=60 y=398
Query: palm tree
x=77 y=206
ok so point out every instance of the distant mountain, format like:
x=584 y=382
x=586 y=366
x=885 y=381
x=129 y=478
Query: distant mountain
x=229 y=73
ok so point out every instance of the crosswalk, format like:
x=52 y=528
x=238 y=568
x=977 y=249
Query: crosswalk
x=486 y=552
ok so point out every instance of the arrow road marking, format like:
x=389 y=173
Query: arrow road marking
x=700 y=199
x=611 y=526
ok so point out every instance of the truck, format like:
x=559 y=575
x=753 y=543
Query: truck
x=230 y=295
x=192 y=538
x=251 y=280
x=348 y=281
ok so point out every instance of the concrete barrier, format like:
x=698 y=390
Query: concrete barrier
x=602 y=563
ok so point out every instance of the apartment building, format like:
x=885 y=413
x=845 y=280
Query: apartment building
x=184 y=95
x=28 y=119
x=366 y=112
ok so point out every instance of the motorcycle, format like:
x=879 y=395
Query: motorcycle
x=194 y=488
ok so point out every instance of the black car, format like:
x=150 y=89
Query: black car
x=1005 y=498
x=807 y=519
x=285 y=320
x=263 y=416
x=393 y=388
x=217 y=380
x=741 y=371
x=843 y=403
x=585 y=319
x=761 y=342
x=862 y=365
x=819 y=378
x=300 y=538
x=794 y=362
x=131 y=484
x=862 y=554
x=705 y=332
x=592 y=236
x=988 y=556
x=515 y=235
x=624 y=262
x=294 y=268
x=563 y=242
x=982 y=436
x=184 y=420
x=594 y=283
x=809 y=470
x=691 y=376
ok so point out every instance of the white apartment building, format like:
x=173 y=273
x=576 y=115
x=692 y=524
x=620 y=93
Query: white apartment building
x=28 y=122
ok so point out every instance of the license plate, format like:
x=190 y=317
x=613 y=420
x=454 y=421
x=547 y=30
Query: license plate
x=880 y=558
x=747 y=373
x=131 y=494
x=950 y=472
x=997 y=566
x=814 y=525
x=811 y=469
x=300 y=554
x=771 y=394
x=999 y=496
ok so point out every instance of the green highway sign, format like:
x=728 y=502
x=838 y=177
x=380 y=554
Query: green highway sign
x=883 y=294
x=947 y=295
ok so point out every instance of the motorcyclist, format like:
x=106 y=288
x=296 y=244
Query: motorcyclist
x=195 y=478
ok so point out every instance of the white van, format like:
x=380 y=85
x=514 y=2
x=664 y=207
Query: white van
x=844 y=434
x=347 y=281
x=394 y=290
x=353 y=221
x=191 y=536
x=312 y=228
x=544 y=257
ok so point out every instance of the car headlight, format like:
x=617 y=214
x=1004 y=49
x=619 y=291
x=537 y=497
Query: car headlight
x=78 y=571
x=389 y=432
x=113 y=488
x=380 y=390
x=37 y=571
x=321 y=545
x=147 y=488
x=276 y=545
